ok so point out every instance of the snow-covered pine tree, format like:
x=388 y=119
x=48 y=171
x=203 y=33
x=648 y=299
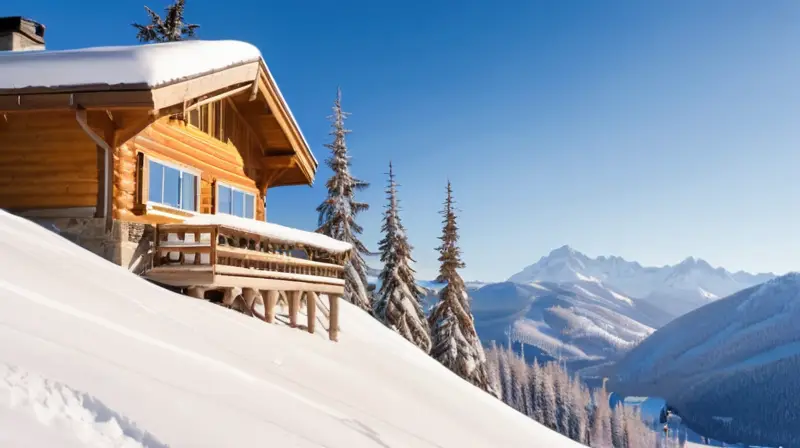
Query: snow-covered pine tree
x=527 y=395
x=493 y=369
x=578 y=420
x=506 y=391
x=337 y=213
x=535 y=380
x=169 y=29
x=398 y=301
x=561 y=388
x=519 y=372
x=455 y=341
x=548 y=399
x=601 y=421
x=618 y=427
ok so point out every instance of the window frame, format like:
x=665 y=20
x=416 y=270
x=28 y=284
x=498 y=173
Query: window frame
x=210 y=120
x=244 y=190
x=145 y=179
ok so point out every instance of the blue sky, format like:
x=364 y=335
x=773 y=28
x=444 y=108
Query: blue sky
x=650 y=130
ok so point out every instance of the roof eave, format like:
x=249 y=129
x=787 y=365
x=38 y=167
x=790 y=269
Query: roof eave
x=293 y=132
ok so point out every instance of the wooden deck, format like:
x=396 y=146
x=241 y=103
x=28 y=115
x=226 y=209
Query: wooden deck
x=244 y=271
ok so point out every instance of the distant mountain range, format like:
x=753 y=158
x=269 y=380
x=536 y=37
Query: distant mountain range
x=675 y=289
x=580 y=323
x=729 y=368
x=588 y=311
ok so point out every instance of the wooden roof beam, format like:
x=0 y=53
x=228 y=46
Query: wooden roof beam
x=109 y=100
x=276 y=162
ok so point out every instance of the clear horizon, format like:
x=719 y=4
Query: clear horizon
x=650 y=131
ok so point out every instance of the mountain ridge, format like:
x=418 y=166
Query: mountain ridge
x=677 y=288
x=703 y=362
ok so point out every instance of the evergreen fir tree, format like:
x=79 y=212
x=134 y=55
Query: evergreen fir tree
x=618 y=427
x=527 y=392
x=601 y=421
x=398 y=304
x=493 y=369
x=578 y=419
x=519 y=371
x=548 y=399
x=562 y=394
x=455 y=341
x=337 y=214
x=171 y=28
x=537 y=391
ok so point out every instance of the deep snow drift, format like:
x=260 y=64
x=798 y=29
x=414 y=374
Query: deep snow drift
x=91 y=355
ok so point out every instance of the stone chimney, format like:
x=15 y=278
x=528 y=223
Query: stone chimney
x=20 y=34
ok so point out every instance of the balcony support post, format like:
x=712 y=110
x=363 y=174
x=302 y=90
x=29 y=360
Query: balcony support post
x=311 y=310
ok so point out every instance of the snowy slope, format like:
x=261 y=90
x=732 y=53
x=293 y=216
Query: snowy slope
x=676 y=289
x=732 y=361
x=91 y=355
x=577 y=322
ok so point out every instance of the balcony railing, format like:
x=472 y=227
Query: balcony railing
x=213 y=257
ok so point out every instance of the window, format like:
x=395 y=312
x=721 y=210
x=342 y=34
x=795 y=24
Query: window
x=171 y=186
x=233 y=201
x=209 y=118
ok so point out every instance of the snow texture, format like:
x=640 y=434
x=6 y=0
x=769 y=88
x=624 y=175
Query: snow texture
x=56 y=415
x=676 y=289
x=152 y=65
x=273 y=231
x=190 y=373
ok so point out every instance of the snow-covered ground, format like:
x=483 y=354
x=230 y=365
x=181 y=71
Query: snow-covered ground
x=91 y=355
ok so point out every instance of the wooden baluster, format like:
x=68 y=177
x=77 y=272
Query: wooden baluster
x=311 y=309
x=294 y=306
x=269 y=306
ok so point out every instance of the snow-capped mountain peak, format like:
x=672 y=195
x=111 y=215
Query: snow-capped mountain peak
x=677 y=289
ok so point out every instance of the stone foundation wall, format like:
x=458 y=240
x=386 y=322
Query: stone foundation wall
x=128 y=244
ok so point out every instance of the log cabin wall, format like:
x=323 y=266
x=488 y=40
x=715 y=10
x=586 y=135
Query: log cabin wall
x=47 y=162
x=213 y=144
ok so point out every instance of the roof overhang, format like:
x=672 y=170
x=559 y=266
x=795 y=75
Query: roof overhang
x=250 y=81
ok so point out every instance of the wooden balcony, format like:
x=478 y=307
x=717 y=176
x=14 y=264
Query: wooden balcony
x=245 y=271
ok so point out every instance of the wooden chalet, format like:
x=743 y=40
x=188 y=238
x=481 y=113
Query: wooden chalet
x=159 y=158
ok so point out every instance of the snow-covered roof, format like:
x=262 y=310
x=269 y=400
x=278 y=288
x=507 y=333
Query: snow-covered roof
x=273 y=231
x=151 y=65
x=130 y=67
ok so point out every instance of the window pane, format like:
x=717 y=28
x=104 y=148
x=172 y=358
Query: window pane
x=189 y=192
x=249 y=202
x=238 y=203
x=154 y=182
x=194 y=118
x=224 y=200
x=172 y=187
